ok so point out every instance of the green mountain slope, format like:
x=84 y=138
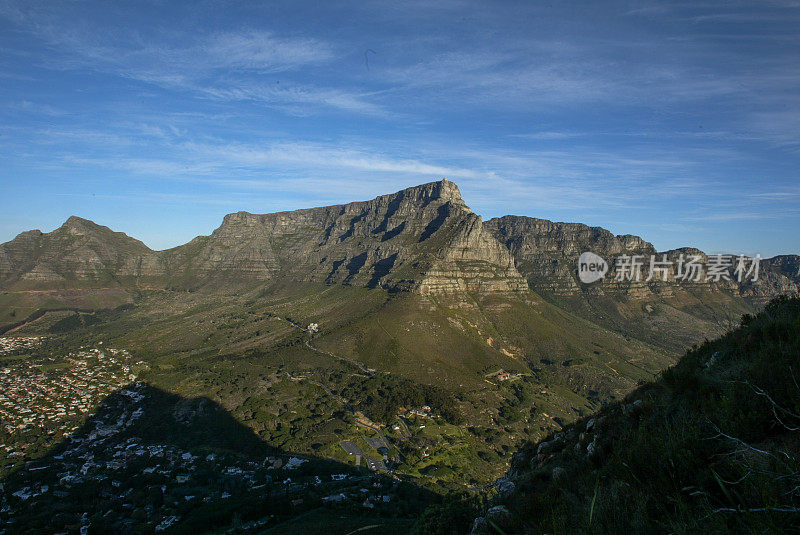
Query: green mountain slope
x=250 y=352
x=711 y=447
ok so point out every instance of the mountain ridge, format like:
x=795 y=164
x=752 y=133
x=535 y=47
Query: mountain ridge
x=423 y=239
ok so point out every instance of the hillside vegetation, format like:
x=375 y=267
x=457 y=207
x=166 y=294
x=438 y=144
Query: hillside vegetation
x=711 y=447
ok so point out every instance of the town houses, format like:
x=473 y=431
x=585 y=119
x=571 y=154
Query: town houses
x=90 y=405
x=51 y=395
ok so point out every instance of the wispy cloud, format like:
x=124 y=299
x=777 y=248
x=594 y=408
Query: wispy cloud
x=223 y=65
x=167 y=58
x=293 y=98
x=745 y=216
x=550 y=135
x=311 y=155
x=261 y=51
x=35 y=108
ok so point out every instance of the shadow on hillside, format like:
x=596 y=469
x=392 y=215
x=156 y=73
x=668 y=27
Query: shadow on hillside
x=149 y=460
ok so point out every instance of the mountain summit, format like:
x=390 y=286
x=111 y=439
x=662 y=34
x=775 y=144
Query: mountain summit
x=78 y=251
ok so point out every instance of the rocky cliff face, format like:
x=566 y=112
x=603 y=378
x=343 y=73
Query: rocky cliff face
x=422 y=239
x=546 y=253
x=780 y=275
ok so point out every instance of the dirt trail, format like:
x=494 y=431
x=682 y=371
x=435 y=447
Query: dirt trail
x=369 y=372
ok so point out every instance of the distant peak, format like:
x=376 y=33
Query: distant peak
x=80 y=225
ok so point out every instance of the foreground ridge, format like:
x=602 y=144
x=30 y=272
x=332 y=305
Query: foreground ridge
x=710 y=447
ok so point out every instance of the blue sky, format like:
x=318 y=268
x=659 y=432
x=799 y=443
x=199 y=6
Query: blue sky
x=676 y=121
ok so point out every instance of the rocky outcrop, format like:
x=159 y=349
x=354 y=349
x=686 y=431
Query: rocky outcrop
x=780 y=275
x=546 y=252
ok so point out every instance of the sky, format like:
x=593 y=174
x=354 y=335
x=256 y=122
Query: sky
x=675 y=121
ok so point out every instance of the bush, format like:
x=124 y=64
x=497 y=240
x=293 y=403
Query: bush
x=454 y=516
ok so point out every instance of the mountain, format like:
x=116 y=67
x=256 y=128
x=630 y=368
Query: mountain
x=669 y=313
x=546 y=252
x=78 y=252
x=463 y=297
x=710 y=447
x=422 y=239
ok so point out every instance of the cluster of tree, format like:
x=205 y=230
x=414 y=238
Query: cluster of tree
x=512 y=408
x=80 y=318
x=381 y=397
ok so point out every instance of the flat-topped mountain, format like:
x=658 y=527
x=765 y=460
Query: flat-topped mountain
x=422 y=239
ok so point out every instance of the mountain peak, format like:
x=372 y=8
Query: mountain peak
x=77 y=222
x=442 y=191
x=449 y=190
x=86 y=228
x=445 y=189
